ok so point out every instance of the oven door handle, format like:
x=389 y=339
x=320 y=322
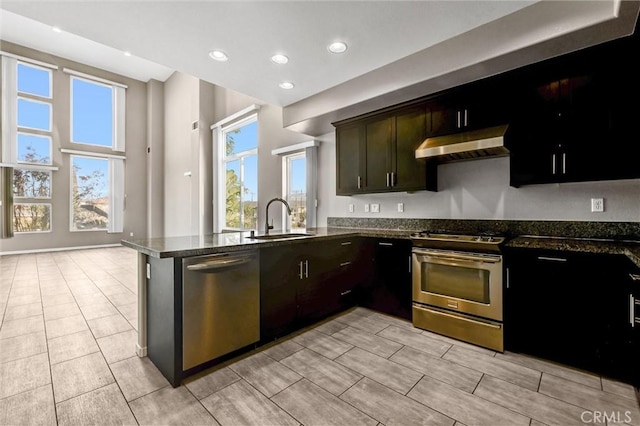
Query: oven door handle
x=456 y=257
x=462 y=318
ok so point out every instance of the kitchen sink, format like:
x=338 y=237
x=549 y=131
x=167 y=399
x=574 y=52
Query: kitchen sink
x=280 y=236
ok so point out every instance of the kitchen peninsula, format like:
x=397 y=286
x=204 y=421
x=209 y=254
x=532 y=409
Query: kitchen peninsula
x=307 y=278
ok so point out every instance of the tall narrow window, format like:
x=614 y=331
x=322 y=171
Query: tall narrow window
x=238 y=197
x=32 y=149
x=89 y=193
x=295 y=186
x=299 y=188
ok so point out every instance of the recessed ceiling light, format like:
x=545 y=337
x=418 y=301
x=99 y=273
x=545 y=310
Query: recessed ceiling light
x=337 y=47
x=286 y=85
x=56 y=29
x=218 y=55
x=127 y=53
x=280 y=59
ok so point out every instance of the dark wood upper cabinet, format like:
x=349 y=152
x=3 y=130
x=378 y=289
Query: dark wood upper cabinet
x=348 y=146
x=377 y=154
x=571 y=119
x=378 y=142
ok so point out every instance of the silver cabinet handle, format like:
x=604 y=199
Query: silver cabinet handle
x=634 y=277
x=552 y=259
x=344 y=293
x=345 y=263
x=632 y=309
x=508 y=278
x=393 y=179
x=217 y=264
x=345 y=243
x=300 y=274
x=359 y=182
x=553 y=164
x=409 y=264
x=458 y=119
x=388 y=180
x=306 y=269
x=466 y=117
x=385 y=244
x=564 y=163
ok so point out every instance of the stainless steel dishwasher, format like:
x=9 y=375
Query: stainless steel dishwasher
x=220 y=305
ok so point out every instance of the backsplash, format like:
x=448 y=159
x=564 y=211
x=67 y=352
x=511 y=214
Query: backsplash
x=569 y=229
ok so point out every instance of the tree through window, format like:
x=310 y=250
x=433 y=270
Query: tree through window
x=240 y=165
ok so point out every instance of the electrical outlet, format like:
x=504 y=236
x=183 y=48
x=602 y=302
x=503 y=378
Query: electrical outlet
x=597 y=205
x=131 y=234
x=366 y=208
x=350 y=208
x=375 y=208
x=400 y=207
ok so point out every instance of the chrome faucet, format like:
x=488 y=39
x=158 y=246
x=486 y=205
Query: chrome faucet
x=266 y=225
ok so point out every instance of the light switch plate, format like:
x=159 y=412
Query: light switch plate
x=350 y=208
x=400 y=207
x=375 y=208
x=366 y=208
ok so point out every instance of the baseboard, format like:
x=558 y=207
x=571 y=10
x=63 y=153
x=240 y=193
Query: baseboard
x=8 y=253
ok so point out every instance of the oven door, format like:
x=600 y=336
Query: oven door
x=470 y=283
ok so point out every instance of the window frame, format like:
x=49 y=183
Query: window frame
x=223 y=160
x=30 y=169
x=50 y=230
x=50 y=138
x=39 y=101
x=109 y=191
x=49 y=70
x=286 y=188
x=114 y=112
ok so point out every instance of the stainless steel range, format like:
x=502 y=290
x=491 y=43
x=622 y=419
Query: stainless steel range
x=457 y=286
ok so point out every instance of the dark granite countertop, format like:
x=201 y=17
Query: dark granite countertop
x=598 y=241
x=233 y=241
x=629 y=248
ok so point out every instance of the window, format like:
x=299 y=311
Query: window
x=91 y=113
x=97 y=179
x=295 y=190
x=29 y=217
x=89 y=193
x=299 y=188
x=31 y=147
x=238 y=174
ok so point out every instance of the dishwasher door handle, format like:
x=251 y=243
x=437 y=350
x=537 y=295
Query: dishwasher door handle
x=215 y=265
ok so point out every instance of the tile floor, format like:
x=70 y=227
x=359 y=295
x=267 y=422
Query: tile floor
x=67 y=357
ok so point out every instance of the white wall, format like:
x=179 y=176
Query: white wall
x=187 y=99
x=480 y=189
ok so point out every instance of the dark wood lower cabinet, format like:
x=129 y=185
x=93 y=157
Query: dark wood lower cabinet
x=389 y=289
x=303 y=283
x=573 y=308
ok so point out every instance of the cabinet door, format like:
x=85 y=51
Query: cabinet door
x=379 y=138
x=349 y=142
x=567 y=307
x=278 y=281
x=409 y=173
x=316 y=290
x=390 y=289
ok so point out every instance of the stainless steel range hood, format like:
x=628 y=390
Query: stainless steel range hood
x=475 y=144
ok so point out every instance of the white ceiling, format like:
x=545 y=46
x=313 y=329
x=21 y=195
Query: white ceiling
x=164 y=36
